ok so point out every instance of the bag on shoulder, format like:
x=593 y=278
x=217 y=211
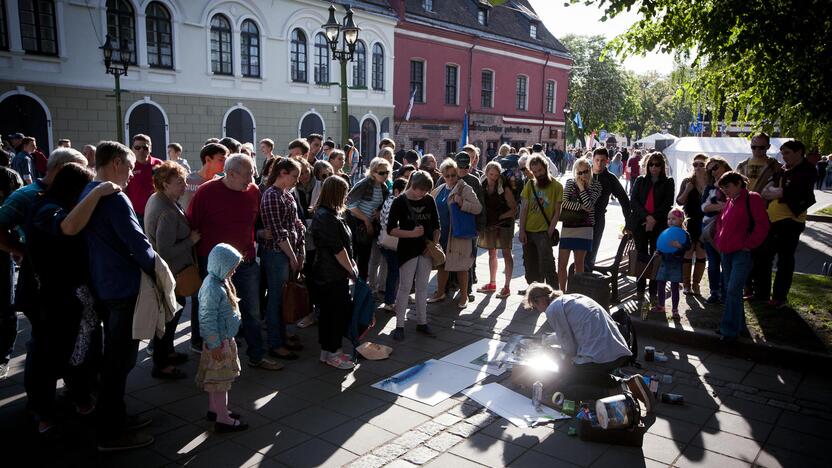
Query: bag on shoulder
x=556 y=237
x=188 y=281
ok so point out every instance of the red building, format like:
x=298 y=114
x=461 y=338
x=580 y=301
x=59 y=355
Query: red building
x=498 y=63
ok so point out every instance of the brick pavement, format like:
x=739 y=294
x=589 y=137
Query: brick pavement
x=736 y=412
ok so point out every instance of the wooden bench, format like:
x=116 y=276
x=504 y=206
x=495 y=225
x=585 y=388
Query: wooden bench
x=618 y=268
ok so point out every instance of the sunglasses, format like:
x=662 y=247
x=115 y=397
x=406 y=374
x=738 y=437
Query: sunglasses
x=583 y=172
x=383 y=173
x=655 y=164
x=698 y=164
x=140 y=148
x=450 y=176
x=760 y=147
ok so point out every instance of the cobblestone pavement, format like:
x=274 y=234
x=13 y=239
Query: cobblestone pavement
x=736 y=412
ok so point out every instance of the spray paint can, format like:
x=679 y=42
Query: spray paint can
x=537 y=394
x=649 y=353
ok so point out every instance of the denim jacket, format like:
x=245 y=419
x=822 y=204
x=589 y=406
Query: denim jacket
x=363 y=190
x=219 y=319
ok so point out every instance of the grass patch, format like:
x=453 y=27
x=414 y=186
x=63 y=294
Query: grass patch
x=824 y=211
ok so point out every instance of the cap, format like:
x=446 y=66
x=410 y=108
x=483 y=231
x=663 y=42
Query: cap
x=15 y=136
x=463 y=160
x=537 y=148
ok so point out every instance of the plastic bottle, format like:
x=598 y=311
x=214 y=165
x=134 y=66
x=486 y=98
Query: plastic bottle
x=537 y=394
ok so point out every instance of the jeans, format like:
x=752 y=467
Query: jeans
x=538 y=259
x=390 y=287
x=196 y=338
x=646 y=246
x=8 y=317
x=735 y=269
x=414 y=270
x=714 y=271
x=246 y=281
x=333 y=300
x=591 y=373
x=277 y=273
x=782 y=241
x=120 y=350
x=597 y=232
x=163 y=347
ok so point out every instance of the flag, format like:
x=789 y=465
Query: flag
x=578 y=120
x=464 y=140
x=410 y=106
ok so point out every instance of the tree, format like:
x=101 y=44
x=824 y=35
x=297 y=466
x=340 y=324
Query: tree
x=768 y=60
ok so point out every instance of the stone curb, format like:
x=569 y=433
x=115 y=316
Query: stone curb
x=787 y=356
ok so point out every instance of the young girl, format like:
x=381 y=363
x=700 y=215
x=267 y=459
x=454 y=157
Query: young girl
x=670 y=269
x=219 y=321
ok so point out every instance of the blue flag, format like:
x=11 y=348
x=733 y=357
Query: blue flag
x=464 y=140
x=578 y=120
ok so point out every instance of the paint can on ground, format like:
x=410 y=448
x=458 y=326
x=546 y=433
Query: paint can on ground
x=649 y=353
x=616 y=412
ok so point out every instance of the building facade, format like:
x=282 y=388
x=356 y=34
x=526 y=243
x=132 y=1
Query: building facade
x=249 y=69
x=497 y=63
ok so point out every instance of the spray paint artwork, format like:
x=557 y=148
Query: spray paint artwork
x=431 y=382
x=480 y=355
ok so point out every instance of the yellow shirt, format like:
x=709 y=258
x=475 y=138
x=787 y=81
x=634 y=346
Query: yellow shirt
x=778 y=211
x=550 y=197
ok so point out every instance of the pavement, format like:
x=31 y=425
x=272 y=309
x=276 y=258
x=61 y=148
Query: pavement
x=736 y=412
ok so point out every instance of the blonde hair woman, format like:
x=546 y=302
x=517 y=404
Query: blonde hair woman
x=364 y=203
x=578 y=217
x=500 y=208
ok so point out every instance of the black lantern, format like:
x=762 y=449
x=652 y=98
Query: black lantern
x=567 y=109
x=116 y=60
x=333 y=31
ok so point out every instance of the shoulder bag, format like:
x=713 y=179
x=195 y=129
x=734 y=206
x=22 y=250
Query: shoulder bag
x=188 y=280
x=555 y=235
x=432 y=249
x=295 y=299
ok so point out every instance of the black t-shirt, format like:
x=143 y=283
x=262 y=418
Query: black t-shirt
x=60 y=262
x=9 y=182
x=330 y=235
x=400 y=217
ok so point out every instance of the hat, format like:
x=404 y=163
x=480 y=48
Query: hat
x=463 y=160
x=374 y=351
x=15 y=136
x=537 y=148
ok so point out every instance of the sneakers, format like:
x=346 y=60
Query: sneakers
x=307 y=321
x=504 y=293
x=124 y=441
x=135 y=422
x=265 y=364
x=425 y=330
x=340 y=361
x=635 y=385
x=488 y=288
x=149 y=349
x=398 y=334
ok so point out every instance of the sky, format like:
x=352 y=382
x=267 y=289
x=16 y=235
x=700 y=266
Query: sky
x=561 y=20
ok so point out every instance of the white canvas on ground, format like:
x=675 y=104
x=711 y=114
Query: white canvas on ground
x=431 y=382
x=478 y=356
x=518 y=409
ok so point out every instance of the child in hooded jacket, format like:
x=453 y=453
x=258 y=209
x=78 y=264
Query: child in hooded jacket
x=219 y=321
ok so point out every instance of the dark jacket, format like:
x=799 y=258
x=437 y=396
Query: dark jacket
x=662 y=200
x=610 y=186
x=331 y=235
x=363 y=190
x=474 y=181
x=798 y=185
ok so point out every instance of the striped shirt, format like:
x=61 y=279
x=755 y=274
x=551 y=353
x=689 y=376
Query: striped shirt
x=574 y=199
x=369 y=206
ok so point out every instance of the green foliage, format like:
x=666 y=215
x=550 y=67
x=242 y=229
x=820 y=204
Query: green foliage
x=770 y=59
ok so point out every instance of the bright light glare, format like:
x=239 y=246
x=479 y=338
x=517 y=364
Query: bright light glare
x=543 y=362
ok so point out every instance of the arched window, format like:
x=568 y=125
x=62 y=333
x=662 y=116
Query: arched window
x=22 y=113
x=369 y=134
x=378 y=67
x=250 y=49
x=359 y=67
x=121 y=25
x=239 y=124
x=311 y=123
x=38 y=31
x=159 y=37
x=321 y=59
x=298 y=56
x=221 y=45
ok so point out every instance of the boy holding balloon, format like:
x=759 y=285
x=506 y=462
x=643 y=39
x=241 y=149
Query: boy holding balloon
x=672 y=244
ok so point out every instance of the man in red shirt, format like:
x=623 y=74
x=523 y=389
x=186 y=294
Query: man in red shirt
x=141 y=185
x=225 y=210
x=633 y=169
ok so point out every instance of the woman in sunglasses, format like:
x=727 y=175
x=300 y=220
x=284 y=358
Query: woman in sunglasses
x=650 y=200
x=364 y=204
x=578 y=216
x=690 y=198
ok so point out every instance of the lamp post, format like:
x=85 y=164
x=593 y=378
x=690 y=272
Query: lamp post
x=567 y=110
x=345 y=54
x=116 y=61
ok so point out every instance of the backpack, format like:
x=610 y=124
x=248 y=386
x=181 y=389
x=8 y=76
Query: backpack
x=625 y=326
x=363 y=315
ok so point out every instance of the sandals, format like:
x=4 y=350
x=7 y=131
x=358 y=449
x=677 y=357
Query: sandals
x=504 y=293
x=434 y=299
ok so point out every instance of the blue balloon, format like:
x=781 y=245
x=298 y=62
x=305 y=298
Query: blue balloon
x=670 y=234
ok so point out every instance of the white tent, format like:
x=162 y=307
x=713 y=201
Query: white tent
x=650 y=140
x=733 y=149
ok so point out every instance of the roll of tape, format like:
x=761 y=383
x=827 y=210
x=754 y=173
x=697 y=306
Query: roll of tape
x=557 y=398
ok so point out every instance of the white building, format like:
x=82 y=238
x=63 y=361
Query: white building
x=249 y=69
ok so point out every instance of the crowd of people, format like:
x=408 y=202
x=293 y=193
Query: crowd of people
x=96 y=233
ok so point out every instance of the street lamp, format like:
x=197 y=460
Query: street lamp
x=333 y=30
x=116 y=61
x=567 y=110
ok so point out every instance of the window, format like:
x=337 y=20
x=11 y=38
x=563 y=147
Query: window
x=487 y=100
x=38 y=32
x=451 y=74
x=522 y=103
x=533 y=30
x=321 y=59
x=120 y=25
x=450 y=147
x=418 y=145
x=359 y=67
x=550 y=96
x=221 y=45
x=159 y=38
x=378 y=67
x=427 y=5
x=482 y=17
x=250 y=49
x=298 y=56
x=4 y=31
x=417 y=80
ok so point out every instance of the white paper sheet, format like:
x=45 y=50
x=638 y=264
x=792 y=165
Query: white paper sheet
x=478 y=356
x=431 y=382
x=509 y=404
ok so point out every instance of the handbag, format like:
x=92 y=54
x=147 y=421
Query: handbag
x=555 y=235
x=435 y=252
x=295 y=299
x=463 y=225
x=574 y=218
x=387 y=241
x=188 y=280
